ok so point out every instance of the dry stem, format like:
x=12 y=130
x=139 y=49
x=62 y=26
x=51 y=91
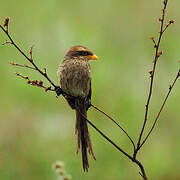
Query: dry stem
x=162 y=106
x=152 y=72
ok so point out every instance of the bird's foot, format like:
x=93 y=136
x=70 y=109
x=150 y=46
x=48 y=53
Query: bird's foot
x=58 y=90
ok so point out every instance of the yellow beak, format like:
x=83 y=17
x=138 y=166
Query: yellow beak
x=92 y=57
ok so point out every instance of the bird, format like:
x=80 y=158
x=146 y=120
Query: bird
x=74 y=75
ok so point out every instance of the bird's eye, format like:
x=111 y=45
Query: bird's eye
x=83 y=53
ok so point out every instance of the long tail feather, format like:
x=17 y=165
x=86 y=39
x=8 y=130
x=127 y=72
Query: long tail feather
x=83 y=137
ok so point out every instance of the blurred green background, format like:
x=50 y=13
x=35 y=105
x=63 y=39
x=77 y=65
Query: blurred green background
x=37 y=129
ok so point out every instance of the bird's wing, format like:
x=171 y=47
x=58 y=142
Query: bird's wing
x=88 y=100
x=90 y=91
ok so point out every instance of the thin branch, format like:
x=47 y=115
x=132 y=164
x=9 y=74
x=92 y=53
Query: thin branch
x=143 y=173
x=35 y=82
x=108 y=116
x=6 y=42
x=20 y=65
x=30 y=52
x=162 y=106
x=169 y=23
x=29 y=59
x=154 y=42
x=157 y=55
x=108 y=139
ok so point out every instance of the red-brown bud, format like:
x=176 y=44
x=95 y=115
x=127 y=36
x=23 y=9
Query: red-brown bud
x=171 y=21
x=152 y=38
x=6 y=21
x=160 y=19
x=13 y=63
x=40 y=83
x=159 y=53
x=151 y=72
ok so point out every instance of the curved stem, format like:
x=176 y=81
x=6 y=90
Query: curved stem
x=162 y=106
x=133 y=159
x=95 y=107
x=108 y=139
x=142 y=173
x=152 y=75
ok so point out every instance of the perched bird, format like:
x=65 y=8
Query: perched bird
x=75 y=80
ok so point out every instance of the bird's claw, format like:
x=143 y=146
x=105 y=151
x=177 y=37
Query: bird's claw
x=58 y=90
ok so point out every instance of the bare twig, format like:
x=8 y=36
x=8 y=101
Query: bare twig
x=167 y=25
x=20 y=65
x=117 y=147
x=154 y=42
x=31 y=51
x=157 y=55
x=108 y=139
x=162 y=106
x=116 y=124
x=6 y=42
x=35 y=83
x=29 y=59
x=6 y=23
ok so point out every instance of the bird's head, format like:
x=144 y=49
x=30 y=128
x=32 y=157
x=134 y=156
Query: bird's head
x=80 y=52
